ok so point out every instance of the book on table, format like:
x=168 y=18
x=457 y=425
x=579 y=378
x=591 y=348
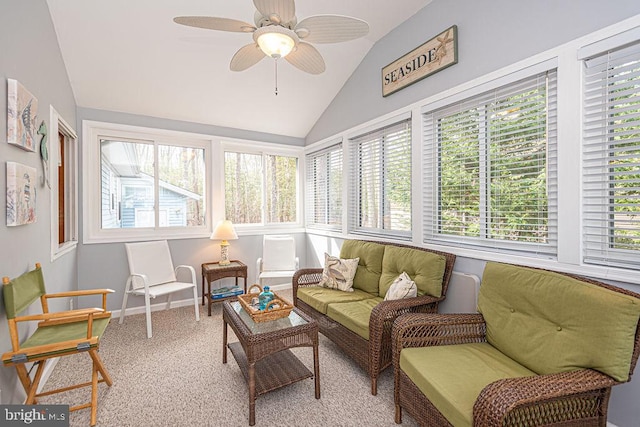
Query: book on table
x=226 y=292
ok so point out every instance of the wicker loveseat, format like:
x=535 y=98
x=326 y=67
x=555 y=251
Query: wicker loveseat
x=360 y=322
x=546 y=348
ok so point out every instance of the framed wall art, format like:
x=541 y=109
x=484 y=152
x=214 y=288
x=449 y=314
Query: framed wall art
x=22 y=111
x=21 y=194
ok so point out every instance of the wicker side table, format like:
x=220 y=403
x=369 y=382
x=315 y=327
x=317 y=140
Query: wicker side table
x=212 y=271
x=263 y=350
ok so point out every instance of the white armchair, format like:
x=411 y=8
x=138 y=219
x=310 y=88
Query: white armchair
x=152 y=274
x=279 y=260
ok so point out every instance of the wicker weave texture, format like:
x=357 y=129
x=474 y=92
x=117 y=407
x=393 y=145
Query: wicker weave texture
x=373 y=355
x=578 y=398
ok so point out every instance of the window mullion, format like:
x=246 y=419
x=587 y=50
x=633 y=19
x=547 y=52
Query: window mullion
x=485 y=167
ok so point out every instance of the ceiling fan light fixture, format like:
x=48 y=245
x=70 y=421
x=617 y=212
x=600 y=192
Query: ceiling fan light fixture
x=275 y=41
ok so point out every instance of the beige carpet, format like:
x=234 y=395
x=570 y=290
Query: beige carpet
x=177 y=378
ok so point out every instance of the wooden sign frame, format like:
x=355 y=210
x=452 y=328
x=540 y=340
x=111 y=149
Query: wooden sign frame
x=432 y=56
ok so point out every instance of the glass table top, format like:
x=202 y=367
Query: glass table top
x=272 y=325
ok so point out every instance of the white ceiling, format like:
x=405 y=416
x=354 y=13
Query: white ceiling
x=129 y=56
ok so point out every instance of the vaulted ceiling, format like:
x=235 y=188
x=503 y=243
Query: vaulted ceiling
x=129 y=56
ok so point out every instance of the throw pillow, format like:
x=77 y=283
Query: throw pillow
x=402 y=287
x=339 y=273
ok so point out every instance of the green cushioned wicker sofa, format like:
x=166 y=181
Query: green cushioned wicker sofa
x=545 y=348
x=360 y=322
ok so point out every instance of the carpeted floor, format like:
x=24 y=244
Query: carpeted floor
x=177 y=378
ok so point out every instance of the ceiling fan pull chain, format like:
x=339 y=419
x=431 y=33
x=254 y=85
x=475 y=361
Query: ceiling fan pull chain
x=276 y=61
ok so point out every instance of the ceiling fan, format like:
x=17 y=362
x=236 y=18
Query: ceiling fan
x=278 y=34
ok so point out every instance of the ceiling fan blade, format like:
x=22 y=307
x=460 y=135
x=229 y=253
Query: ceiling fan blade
x=307 y=58
x=331 y=28
x=213 y=23
x=285 y=9
x=246 y=57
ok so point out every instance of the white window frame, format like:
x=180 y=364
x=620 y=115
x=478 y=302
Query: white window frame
x=93 y=132
x=352 y=206
x=596 y=236
x=59 y=125
x=335 y=146
x=430 y=174
x=263 y=149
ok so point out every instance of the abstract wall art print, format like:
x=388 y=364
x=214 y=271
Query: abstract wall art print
x=21 y=194
x=22 y=111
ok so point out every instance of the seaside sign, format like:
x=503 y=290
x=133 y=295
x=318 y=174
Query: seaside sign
x=436 y=54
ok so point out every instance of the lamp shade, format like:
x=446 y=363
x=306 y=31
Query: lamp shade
x=224 y=231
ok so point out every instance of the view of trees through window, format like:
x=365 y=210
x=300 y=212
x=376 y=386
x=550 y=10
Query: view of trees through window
x=381 y=186
x=247 y=177
x=129 y=189
x=493 y=160
x=611 y=155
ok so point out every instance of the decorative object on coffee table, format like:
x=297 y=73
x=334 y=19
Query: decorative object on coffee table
x=276 y=309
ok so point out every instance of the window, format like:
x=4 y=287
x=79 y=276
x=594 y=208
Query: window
x=380 y=186
x=62 y=177
x=152 y=184
x=136 y=174
x=611 y=158
x=324 y=188
x=490 y=169
x=260 y=188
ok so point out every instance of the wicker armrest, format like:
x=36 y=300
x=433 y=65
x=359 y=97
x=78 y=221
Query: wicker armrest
x=544 y=398
x=305 y=277
x=426 y=329
x=384 y=314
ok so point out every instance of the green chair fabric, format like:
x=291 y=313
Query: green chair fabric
x=319 y=298
x=553 y=323
x=354 y=315
x=370 y=265
x=22 y=291
x=462 y=372
x=424 y=268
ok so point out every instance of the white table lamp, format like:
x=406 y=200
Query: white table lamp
x=224 y=231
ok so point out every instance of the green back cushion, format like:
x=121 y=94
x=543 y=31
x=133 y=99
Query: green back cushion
x=370 y=265
x=22 y=291
x=424 y=268
x=552 y=323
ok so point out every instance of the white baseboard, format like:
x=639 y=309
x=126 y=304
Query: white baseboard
x=611 y=425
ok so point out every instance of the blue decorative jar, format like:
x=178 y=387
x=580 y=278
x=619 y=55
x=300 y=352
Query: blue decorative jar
x=265 y=298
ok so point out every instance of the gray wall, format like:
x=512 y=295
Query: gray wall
x=30 y=54
x=492 y=34
x=105 y=265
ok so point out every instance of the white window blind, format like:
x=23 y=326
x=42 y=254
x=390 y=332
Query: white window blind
x=324 y=188
x=380 y=185
x=490 y=169
x=611 y=159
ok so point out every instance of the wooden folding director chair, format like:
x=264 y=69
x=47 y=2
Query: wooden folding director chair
x=58 y=334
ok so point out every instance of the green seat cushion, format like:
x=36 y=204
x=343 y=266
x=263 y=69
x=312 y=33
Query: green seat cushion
x=453 y=376
x=553 y=323
x=354 y=315
x=424 y=268
x=370 y=265
x=64 y=332
x=319 y=298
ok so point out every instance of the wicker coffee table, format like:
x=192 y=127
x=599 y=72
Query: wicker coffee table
x=263 y=350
